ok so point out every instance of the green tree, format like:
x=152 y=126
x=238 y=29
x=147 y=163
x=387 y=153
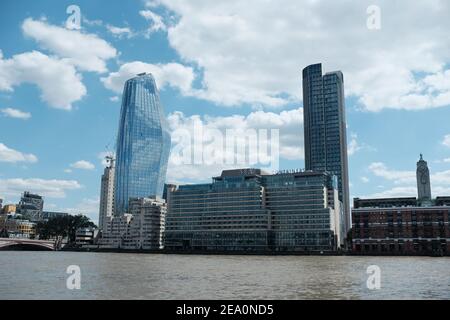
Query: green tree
x=64 y=226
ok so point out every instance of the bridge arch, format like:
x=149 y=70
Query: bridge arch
x=25 y=244
x=14 y=246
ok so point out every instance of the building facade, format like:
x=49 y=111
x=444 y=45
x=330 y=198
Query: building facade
x=146 y=228
x=143 y=143
x=403 y=226
x=31 y=206
x=409 y=230
x=141 y=229
x=11 y=227
x=9 y=209
x=325 y=128
x=116 y=232
x=106 y=194
x=249 y=210
x=85 y=236
x=46 y=215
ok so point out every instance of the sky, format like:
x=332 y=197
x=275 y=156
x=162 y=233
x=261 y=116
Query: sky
x=224 y=65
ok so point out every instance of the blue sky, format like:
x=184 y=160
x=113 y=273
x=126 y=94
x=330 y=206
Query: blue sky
x=227 y=64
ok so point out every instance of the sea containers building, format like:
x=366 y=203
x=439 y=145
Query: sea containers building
x=252 y=211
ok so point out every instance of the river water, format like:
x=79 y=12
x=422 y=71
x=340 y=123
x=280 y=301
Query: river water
x=42 y=275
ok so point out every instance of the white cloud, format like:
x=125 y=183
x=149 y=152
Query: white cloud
x=395 y=192
x=289 y=123
x=398 y=177
x=85 y=51
x=441 y=178
x=13 y=156
x=365 y=179
x=353 y=146
x=15 y=113
x=48 y=188
x=120 y=31
x=156 y=21
x=173 y=74
x=82 y=164
x=152 y=3
x=59 y=82
x=440 y=182
x=114 y=99
x=253 y=53
x=88 y=207
x=446 y=141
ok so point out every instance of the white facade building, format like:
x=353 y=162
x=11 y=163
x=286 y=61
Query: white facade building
x=142 y=228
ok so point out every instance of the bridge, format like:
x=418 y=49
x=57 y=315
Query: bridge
x=24 y=244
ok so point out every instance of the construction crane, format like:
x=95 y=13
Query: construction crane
x=109 y=157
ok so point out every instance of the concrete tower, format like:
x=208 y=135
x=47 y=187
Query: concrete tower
x=423 y=181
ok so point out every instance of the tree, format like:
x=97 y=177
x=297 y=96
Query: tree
x=64 y=226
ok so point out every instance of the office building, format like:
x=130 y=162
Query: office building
x=325 y=128
x=46 y=215
x=403 y=226
x=143 y=143
x=11 y=227
x=106 y=194
x=31 y=206
x=250 y=210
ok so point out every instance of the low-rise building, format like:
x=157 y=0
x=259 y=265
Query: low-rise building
x=9 y=209
x=46 y=215
x=116 y=229
x=403 y=226
x=12 y=227
x=411 y=230
x=85 y=236
x=140 y=229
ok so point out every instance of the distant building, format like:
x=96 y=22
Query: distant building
x=107 y=194
x=143 y=143
x=85 y=236
x=12 y=227
x=142 y=228
x=46 y=215
x=423 y=181
x=325 y=128
x=9 y=209
x=407 y=225
x=167 y=189
x=31 y=206
x=250 y=210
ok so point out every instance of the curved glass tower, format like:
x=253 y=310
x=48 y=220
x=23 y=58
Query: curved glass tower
x=143 y=143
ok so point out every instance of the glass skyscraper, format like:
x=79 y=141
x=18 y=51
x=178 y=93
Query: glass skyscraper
x=143 y=143
x=325 y=128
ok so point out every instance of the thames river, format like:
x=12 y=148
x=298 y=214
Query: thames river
x=42 y=275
